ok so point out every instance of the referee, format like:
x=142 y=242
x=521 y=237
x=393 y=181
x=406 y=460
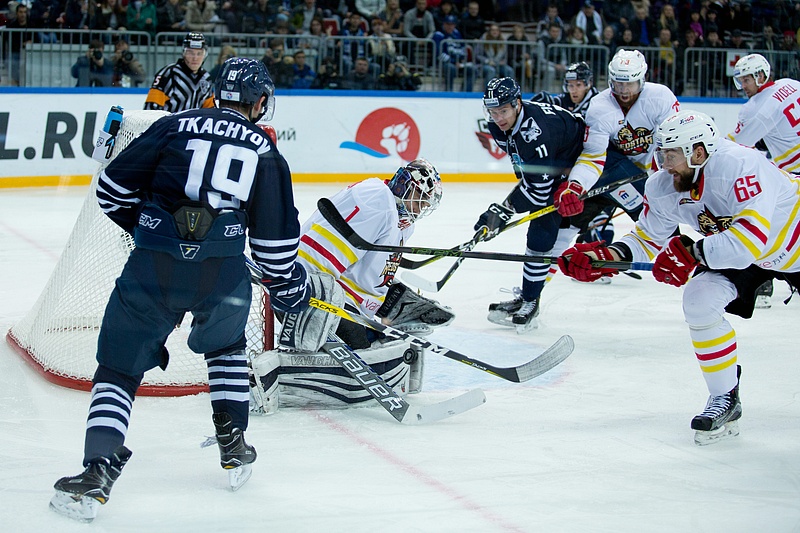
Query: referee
x=184 y=84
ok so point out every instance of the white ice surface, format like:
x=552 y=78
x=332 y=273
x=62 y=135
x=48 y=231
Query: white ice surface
x=601 y=443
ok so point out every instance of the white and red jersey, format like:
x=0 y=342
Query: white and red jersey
x=747 y=209
x=773 y=114
x=631 y=133
x=370 y=208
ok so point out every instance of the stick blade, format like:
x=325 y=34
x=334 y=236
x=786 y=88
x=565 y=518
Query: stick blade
x=424 y=414
x=548 y=360
x=419 y=282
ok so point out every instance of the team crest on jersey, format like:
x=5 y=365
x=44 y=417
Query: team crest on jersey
x=530 y=130
x=392 y=264
x=633 y=141
x=710 y=224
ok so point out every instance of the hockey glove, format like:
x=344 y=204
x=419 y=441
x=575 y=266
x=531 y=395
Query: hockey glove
x=270 y=131
x=576 y=262
x=675 y=263
x=494 y=220
x=289 y=295
x=567 y=199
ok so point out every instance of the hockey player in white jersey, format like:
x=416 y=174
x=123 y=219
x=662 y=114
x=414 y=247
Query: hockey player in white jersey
x=620 y=123
x=771 y=115
x=747 y=211
x=298 y=374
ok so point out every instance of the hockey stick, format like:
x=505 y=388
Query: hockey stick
x=537 y=366
x=375 y=385
x=410 y=264
x=332 y=215
x=397 y=406
x=436 y=286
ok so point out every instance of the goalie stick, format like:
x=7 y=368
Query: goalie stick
x=375 y=385
x=537 y=366
x=332 y=215
x=410 y=264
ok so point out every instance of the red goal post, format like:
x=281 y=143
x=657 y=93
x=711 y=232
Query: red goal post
x=58 y=336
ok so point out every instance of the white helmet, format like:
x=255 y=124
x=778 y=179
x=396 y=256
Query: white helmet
x=419 y=175
x=627 y=66
x=751 y=65
x=684 y=130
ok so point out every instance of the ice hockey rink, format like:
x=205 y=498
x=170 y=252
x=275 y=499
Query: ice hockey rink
x=600 y=443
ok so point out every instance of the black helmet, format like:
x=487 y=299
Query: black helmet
x=245 y=80
x=195 y=40
x=579 y=71
x=500 y=91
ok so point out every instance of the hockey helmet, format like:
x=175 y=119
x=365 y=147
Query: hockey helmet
x=195 y=40
x=685 y=130
x=417 y=188
x=578 y=71
x=500 y=91
x=751 y=64
x=246 y=80
x=627 y=66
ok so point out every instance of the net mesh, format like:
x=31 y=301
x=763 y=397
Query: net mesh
x=59 y=334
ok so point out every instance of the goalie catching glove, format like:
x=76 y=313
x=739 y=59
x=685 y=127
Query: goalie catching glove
x=676 y=262
x=576 y=262
x=408 y=311
x=494 y=220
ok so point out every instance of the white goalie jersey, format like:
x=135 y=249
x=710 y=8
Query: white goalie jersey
x=773 y=114
x=631 y=133
x=370 y=209
x=744 y=206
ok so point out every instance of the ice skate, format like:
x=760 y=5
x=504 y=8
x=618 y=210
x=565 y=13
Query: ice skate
x=720 y=418
x=525 y=318
x=604 y=280
x=764 y=295
x=79 y=497
x=501 y=312
x=235 y=455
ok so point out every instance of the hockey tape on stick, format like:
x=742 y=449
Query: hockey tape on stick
x=335 y=219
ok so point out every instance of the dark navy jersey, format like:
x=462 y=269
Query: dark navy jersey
x=543 y=145
x=564 y=100
x=215 y=156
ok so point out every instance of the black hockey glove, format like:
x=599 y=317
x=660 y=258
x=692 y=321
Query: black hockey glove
x=494 y=220
x=289 y=295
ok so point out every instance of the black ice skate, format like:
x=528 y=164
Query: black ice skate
x=235 y=455
x=719 y=419
x=525 y=317
x=79 y=497
x=500 y=312
x=764 y=295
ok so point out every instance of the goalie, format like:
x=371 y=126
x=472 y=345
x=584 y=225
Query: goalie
x=299 y=373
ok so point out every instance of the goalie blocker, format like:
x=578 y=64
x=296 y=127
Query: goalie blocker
x=301 y=374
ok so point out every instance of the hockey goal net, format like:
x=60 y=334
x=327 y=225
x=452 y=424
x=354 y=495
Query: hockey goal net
x=58 y=336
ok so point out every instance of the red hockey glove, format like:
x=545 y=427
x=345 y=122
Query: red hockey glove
x=675 y=263
x=576 y=262
x=270 y=131
x=567 y=199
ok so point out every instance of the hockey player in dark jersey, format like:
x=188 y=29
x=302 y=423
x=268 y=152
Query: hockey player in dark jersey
x=542 y=141
x=578 y=90
x=184 y=84
x=191 y=189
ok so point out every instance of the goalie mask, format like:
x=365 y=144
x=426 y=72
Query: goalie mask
x=246 y=81
x=751 y=65
x=684 y=131
x=627 y=66
x=417 y=189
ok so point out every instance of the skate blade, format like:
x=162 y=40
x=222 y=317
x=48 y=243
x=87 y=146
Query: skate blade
x=500 y=318
x=238 y=476
x=524 y=328
x=80 y=508
x=704 y=438
x=605 y=280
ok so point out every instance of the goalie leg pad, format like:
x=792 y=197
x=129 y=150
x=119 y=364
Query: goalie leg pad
x=403 y=307
x=264 y=383
x=318 y=381
x=307 y=331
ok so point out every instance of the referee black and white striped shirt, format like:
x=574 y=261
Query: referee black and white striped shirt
x=176 y=88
